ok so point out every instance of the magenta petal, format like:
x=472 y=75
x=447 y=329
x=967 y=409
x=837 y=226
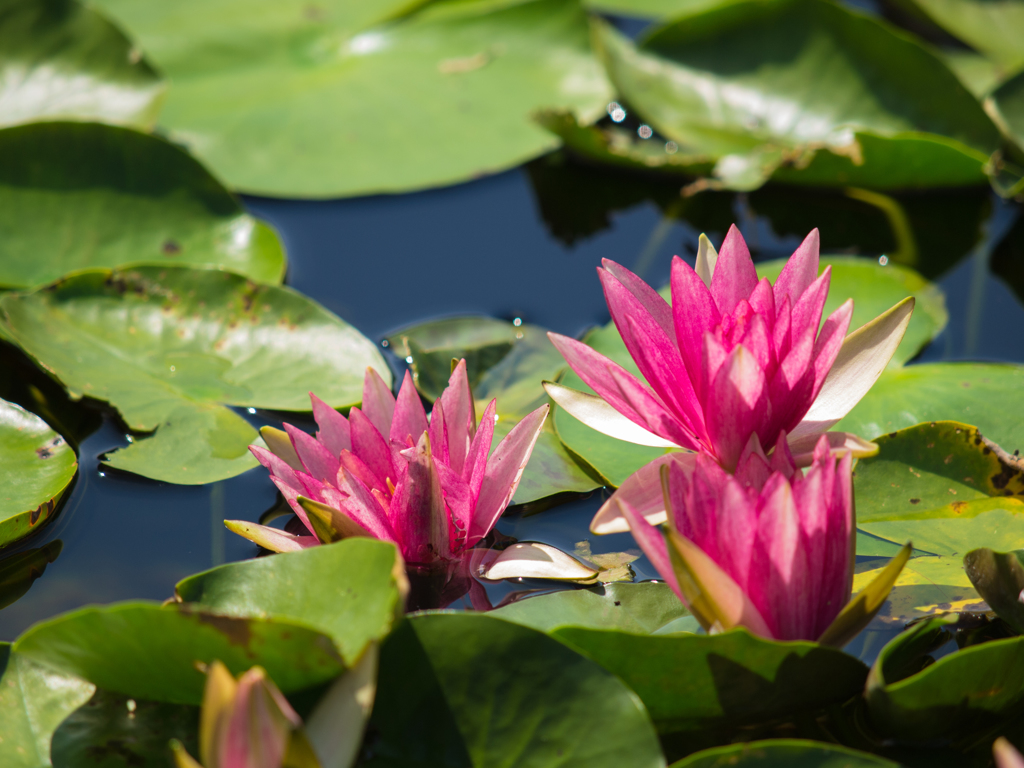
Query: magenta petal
x=458 y=497
x=333 y=427
x=735 y=276
x=694 y=312
x=418 y=511
x=459 y=416
x=643 y=491
x=504 y=468
x=360 y=504
x=370 y=446
x=807 y=311
x=800 y=271
x=738 y=404
x=648 y=298
x=652 y=543
x=619 y=388
x=476 y=458
x=278 y=467
x=438 y=432
x=291 y=496
x=781 y=335
x=314 y=456
x=409 y=420
x=779 y=578
x=828 y=344
x=355 y=466
x=753 y=468
x=378 y=402
x=737 y=532
x=762 y=300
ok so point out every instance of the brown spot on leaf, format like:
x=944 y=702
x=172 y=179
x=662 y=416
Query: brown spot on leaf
x=958 y=507
x=237 y=631
x=930 y=445
x=892 y=434
x=44 y=452
x=915 y=501
x=170 y=248
x=948 y=459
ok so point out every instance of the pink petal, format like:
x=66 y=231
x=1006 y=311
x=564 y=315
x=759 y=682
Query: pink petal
x=278 y=467
x=791 y=388
x=735 y=276
x=438 y=432
x=695 y=313
x=807 y=311
x=459 y=416
x=756 y=337
x=781 y=336
x=314 y=456
x=737 y=532
x=753 y=469
x=642 y=491
x=370 y=446
x=474 y=469
x=291 y=495
x=418 y=512
x=762 y=300
x=458 y=497
x=737 y=406
x=355 y=466
x=800 y=271
x=378 y=402
x=363 y=507
x=828 y=344
x=647 y=297
x=651 y=542
x=779 y=577
x=504 y=469
x=273 y=539
x=333 y=431
x=410 y=420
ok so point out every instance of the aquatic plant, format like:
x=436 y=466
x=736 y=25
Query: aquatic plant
x=429 y=488
x=767 y=548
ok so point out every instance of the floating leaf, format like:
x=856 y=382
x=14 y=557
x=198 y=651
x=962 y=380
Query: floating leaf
x=419 y=98
x=352 y=590
x=805 y=90
x=38 y=465
x=81 y=195
x=991 y=397
x=999 y=579
x=150 y=652
x=469 y=689
x=951 y=700
x=1007 y=104
x=784 y=753
x=641 y=608
x=994 y=27
x=60 y=60
x=168 y=347
x=653 y=9
x=34 y=699
x=870 y=285
x=693 y=682
x=18 y=571
x=507 y=362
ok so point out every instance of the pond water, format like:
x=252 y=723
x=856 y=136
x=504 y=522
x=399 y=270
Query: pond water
x=520 y=244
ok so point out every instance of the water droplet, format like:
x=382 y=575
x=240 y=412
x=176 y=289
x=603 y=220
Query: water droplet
x=517 y=322
x=172 y=369
x=883 y=260
x=612 y=106
x=671 y=147
x=130 y=704
x=644 y=132
x=251 y=410
x=384 y=343
x=619 y=115
x=409 y=359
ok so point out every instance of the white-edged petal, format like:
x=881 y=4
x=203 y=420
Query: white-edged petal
x=270 y=538
x=598 y=415
x=707 y=257
x=642 y=490
x=802 y=447
x=531 y=560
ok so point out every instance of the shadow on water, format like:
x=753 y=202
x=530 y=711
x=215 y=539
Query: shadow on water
x=519 y=244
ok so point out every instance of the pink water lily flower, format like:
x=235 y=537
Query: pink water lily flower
x=733 y=356
x=245 y=723
x=768 y=548
x=434 y=489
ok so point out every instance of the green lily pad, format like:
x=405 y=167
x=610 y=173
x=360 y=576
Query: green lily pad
x=347 y=590
x=81 y=195
x=784 y=753
x=999 y=578
x=797 y=88
x=18 y=571
x=420 y=97
x=872 y=287
x=34 y=699
x=994 y=27
x=38 y=467
x=989 y=396
x=1008 y=100
x=150 y=652
x=112 y=730
x=170 y=347
x=952 y=700
x=62 y=60
x=641 y=608
x=693 y=682
x=472 y=690
x=507 y=362
x=652 y=9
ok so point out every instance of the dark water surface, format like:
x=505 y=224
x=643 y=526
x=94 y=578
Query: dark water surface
x=521 y=244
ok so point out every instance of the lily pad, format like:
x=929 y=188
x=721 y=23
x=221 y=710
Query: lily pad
x=420 y=97
x=81 y=195
x=446 y=696
x=61 y=60
x=38 y=467
x=999 y=578
x=989 y=396
x=784 y=753
x=34 y=699
x=994 y=27
x=694 y=682
x=352 y=590
x=507 y=362
x=872 y=287
x=171 y=347
x=951 y=700
x=819 y=93
x=150 y=652
x=18 y=571
x=639 y=608
x=1008 y=100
